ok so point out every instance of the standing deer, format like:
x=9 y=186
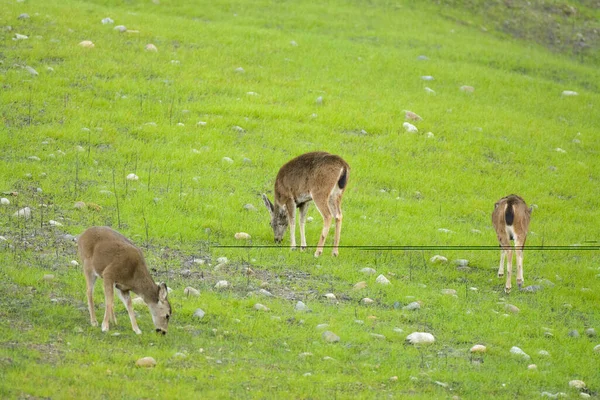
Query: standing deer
x=511 y=221
x=107 y=254
x=317 y=176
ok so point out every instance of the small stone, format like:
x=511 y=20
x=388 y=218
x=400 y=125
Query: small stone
x=367 y=301
x=449 y=292
x=330 y=337
x=107 y=21
x=48 y=277
x=146 y=362
x=422 y=58
x=322 y=326
x=437 y=259
x=240 y=70
x=74 y=263
x=415 y=305
x=368 y=271
x=547 y=283
x=410 y=128
x=3 y=239
x=511 y=308
x=88 y=44
x=239 y=129
x=249 y=207
x=300 y=306
x=597 y=348
x=409 y=115
x=467 y=89
x=382 y=280
x=360 y=285
x=116 y=334
x=518 y=352
x=330 y=296
x=420 y=338
x=569 y=93
x=427 y=78
x=553 y=395
x=444 y=230
x=190 y=291
x=34 y=73
x=429 y=90
x=393 y=378
x=4 y=201
x=120 y=28
x=532 y=288
x=199 y=313
x=23 y=16
x=478 y=348
x=132 y=177
x=265 y=292
x=54 y=223
x=377 y=336
x=23 y=213
x=222 y=260
x=242 y=236
x=532 y=367
x=260 y=307
x=398 y=330
x=20 y=37
x=293 y=43
x=227 y=160
x=201 y=123
x=319 y=100
x=574 y=333
x=585 y=395
x=591 y=332
x=577 y=384
x=461 y=262
x=543 y=353
x=79 y=205
x=151 y=47
x=221 y=285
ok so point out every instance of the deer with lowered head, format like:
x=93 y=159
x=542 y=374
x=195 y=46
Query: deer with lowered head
x=317 y=176
x=511 y=222
x=109 y=255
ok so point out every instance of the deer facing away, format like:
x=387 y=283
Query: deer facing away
x=107 y=254
x=511 y=222
x=317 y=176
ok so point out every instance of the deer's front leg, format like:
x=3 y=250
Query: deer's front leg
x=109 y=306
x=291 y=211
x=508 y=285
x=303 y=211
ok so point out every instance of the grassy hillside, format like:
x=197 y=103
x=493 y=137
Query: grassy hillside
x=234 y=90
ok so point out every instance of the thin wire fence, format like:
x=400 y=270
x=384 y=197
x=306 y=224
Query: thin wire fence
x=595 y=247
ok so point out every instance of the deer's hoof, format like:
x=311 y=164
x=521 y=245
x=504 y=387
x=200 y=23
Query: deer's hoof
x=500 y=275
x=302 y=248
x=138 y=331
x=507 y=290
x=520 y=283
x=104 y=328
x=335 y=253
x=318 y=253
x=94 y=323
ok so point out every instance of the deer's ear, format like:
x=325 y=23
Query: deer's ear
x=268 y=203
x=530 y=210
x=162 y=291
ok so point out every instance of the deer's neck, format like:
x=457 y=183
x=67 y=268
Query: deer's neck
x=145 y=287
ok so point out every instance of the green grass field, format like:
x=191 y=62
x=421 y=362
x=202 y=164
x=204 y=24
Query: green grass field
x=206 y=138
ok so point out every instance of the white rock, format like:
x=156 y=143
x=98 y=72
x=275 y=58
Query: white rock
x=260 y=307
x=120 y=28
x=20 y=37
x=221 y=284
x=410 y=127
x=88 y=44
x=132 y=177
x=429 y=90
x=293 y=43
x=300 y=306
x=568 y=93
x=518 y=352
x=449 y=292
x=368 y=271
x=478 y=348
x=190 y=291
x=227 y=160
x=33 y=158
x=180 y=124
x=146 y=362
x=597 y=348
x=31 y=70
x=554 y=395
x=544 y=353
x=378 y=336
x=319 y=100
x=4 y=201
x=444 y=230
x=239 y=129
x=559 y=150
x=330 y=296
x=461 y=262
x=367 y=301
x=201 y=123
x=106 y=21
x=74 y=263
x=427 y=77
x=577 y=384
x=242 y=236
x=239 y=70
x=512 y=308
x=420 y=338
x=151 y=47
x=265 y=292
x=382 y=280
x=415 y=305
x=24 y=213
x=437 y=259
x=252 y=93
x=54 y=223
x=330 y=337
x=3 y=239
x=467 y=89
x=584 y=395
x=532 y=367
x=199 y=313
x=322 y=326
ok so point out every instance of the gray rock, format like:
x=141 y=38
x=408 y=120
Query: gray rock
x=300 y=306
x=532 y=288
x=520 y=353
x=415 y=305
x=265 y=292
x=260 y=307
x=382 y=280
x=146 y=362
x=377 y=336
x=547 y=283
x=512 y=308
x=574 y=333
x=199 y=313
x=322 y=326
x=249 y=207
x=23 y=16
x=449 y=292
x=591 y=332
x=368 y=271
x=190 y=291
x=437 y=259
x=120 y=28
x=330 y=337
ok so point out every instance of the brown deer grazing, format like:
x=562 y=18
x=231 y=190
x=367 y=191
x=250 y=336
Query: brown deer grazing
x=107 y=254
x=317 y=176
x=511 y=221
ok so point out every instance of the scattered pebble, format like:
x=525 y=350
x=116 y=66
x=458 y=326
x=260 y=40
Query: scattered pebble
x=574 y=333
x=3 y=239
x=18 y=36
x=4 y=201
x=74 y=263
x=330 y=296
x=577 y=384
x=367 y=301
x=467 y=89
x=554 y=395
x=420 y=338
x=34 y=73
x=120 y=28
x=429 y=90
x=478 y=348
x=568 y=93
x=410 y=128
x=106 y=21
x=412 y=116
x=132 y=177
x=591 y=332
x=239 y=129
x=449 y=292
x=543 y=353
x=597 y=348
x=54 y=223
x=260 y=307
x=415 y=305
x=151 y=47
x=377 y=336
x=427 y=77
x=319 y=100
x=532 y=367
x=559 y=150
x=368 y=271
x=88 y=44
x=360 y=285
x=422 y=58
x=239 y=70
x=461 y=262
x=242 y=236
x=146 y=362
x=222 y=260
x=199 y=313
x=382 y=280
x=330 y=337
x=221 y=284
x=24 y=213
x=437 y=259
x=227 y=160
x=300 y=306
x=190 y=291
x=293 y=43
x=518 y=352
x=23 y=16
x=249 y=207
x=265 y=292
x=532 y=288
x=511 y=308
x=393 y=378
x=322 y=326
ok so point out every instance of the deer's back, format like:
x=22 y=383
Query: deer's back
x=306 y=171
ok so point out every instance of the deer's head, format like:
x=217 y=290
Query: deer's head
x=279 y=219
x=161 y=310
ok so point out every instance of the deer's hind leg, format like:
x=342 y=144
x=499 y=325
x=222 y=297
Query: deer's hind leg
x=303 y=211
x=519 y=244
x=126 y=299
x=335 y=205
x=321 y=200
x=109 y=297
x=90 y=281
